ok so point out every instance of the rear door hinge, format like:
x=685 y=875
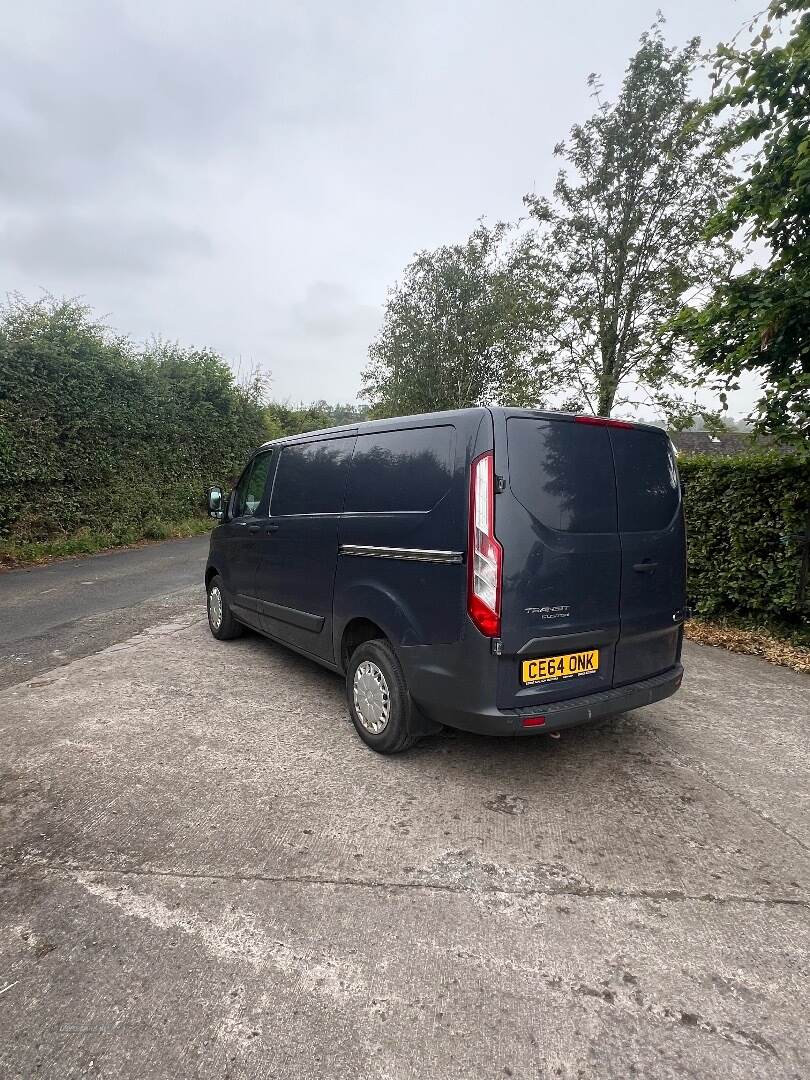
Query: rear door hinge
x=500 y=484
x=497 y=646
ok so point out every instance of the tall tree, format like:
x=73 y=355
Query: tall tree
x=624 y=236
x=459 y=328
x=760 y=320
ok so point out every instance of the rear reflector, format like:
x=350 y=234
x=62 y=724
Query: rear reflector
x=485 y=555
x=602 y=421
x=533 y=721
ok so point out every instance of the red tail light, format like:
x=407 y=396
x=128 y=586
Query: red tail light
x=534 y=721
x=602 y=421
x=485 y=554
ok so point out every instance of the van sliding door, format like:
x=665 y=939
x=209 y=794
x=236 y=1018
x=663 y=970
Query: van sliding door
x=295 y=577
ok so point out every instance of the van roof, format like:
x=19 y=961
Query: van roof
x=395 y=422
x=390 y=424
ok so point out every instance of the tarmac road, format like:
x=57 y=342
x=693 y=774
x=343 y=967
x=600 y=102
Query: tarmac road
x=204 y=873
x=71 y=607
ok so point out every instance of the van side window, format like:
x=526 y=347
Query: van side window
x=410 y=469
x=647 y=479
x=563 y=474
x=250 y=490
x=311 y=477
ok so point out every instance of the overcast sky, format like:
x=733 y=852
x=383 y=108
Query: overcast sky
x=254 y=176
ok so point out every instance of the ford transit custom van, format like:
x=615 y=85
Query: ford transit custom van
x=502 y=571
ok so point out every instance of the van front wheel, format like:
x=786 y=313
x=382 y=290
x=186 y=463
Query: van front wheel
x=221 y=622
x=379 y=702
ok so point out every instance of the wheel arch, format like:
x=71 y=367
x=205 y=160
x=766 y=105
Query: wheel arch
x=356 y=631
x=368 y=603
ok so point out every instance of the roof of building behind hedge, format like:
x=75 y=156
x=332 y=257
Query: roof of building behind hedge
x=724 y=444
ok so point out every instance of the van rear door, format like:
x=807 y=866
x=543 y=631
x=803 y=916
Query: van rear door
x=653 y=544
x=557 y=521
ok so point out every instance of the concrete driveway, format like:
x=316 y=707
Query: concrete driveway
x=205 y=874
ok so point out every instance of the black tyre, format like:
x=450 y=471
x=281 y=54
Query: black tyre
x=221 y=622
x=379 y=702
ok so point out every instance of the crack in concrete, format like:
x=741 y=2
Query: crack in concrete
x=237 y=937
x=586 y=892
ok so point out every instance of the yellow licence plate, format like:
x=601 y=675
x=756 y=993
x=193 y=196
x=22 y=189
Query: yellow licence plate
x=560 y=667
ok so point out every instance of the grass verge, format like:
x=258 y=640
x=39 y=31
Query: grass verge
x=14 y=555
x=784 y=645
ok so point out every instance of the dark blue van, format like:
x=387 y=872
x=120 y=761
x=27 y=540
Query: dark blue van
x=498 y=570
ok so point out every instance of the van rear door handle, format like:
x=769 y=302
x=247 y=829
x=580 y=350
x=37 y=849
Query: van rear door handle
x=273 y=527
x=646 y=567
x=254 y=528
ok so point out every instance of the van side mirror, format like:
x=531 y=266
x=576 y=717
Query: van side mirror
x=215 y=500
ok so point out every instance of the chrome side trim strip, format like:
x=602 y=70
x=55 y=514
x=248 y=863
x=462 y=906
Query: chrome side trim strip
x=409 y=554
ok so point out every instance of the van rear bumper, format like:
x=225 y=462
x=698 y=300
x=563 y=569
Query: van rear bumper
x=563 y=714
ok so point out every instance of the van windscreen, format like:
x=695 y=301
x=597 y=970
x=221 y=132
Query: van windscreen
x=646 y=477
x=563 y=473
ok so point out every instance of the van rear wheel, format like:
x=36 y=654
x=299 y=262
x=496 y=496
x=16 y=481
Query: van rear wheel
x=379 y=702
x=221 y=622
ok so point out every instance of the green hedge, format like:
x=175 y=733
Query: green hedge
x=98 y=433
x=745 y=517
